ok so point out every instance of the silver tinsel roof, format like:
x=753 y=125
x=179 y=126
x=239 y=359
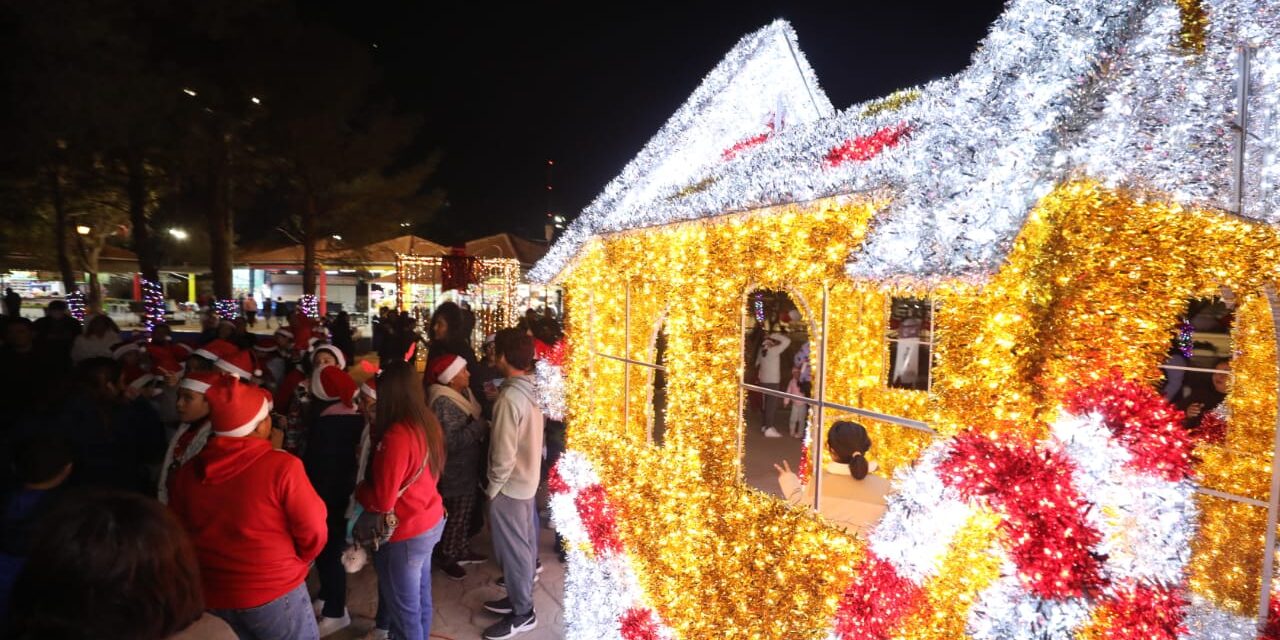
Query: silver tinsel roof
x=1058 y=89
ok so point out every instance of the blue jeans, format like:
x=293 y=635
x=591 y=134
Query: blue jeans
x=404 y=583
x=288 y=617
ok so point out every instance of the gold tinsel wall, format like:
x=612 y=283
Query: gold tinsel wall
x=1096 y=279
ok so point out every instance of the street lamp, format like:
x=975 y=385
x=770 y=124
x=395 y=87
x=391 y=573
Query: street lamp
x=178 y=234
x=83 y=230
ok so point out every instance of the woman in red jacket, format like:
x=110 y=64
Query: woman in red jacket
x=406 y=465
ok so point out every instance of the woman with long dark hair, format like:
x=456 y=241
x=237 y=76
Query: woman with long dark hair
x=407 y=460
x=108 y=565
x=450 y=334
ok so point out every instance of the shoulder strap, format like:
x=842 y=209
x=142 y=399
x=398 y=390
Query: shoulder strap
x=425 y=457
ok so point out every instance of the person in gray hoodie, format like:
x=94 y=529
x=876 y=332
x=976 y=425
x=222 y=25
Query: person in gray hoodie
x=515 y=461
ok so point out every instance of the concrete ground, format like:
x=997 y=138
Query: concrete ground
x=458 y=614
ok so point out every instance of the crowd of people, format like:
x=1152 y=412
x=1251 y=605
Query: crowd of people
x=166 y=487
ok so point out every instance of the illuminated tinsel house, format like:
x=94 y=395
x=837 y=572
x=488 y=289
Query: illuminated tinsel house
x=1057 y=204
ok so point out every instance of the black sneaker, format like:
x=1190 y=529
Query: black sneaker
x=452 y=570
x=472 y=558
x=511 y=626
x=500 y=607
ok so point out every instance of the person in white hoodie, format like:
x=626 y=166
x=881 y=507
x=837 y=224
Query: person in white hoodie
x=769 y=369
x=515 y=463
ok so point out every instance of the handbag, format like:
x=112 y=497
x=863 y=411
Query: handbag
x=372 y=529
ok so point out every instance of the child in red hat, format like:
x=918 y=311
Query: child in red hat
x=254 y=519
x=194 y=428
x=331 y=459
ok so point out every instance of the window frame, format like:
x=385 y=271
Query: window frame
x=888 y=313
x=819 y=401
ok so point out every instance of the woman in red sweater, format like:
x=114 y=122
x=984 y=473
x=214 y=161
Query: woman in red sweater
x=406 y=465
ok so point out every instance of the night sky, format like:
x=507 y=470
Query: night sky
x=503 y=89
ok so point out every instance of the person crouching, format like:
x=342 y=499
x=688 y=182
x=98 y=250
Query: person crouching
x=253 y=517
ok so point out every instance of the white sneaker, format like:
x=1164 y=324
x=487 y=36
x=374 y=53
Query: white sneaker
x=772 y=433
x=376 y=634
x=329 y=626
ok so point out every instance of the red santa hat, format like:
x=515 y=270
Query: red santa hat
x=216 y=350
x=121 y=349
x=236 y=408
x=163 y=358
x=199 y=381
x=336 y=352
x=265 y=346
x=284 y=331
x=444 y=368
x=370 y=388
x=330 y=383
x=240 y=364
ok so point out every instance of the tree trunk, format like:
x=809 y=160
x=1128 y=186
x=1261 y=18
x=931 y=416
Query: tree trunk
x=60 y=229
x=309 y=214
x=95 y=285
x=137 y=192
x=220 y=221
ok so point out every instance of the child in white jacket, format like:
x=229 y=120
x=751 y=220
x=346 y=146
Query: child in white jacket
x=799 y=410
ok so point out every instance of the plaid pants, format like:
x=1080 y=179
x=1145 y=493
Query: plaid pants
x=454 y=540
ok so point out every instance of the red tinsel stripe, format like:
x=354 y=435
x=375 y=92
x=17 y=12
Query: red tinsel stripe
x=1145 y=613
x=556 y=482
x=1212 y=429
x=743 y=145
x=1043 y=520
x=876 y=601
x=1272 y=629
x=639 y=623
x=805 y=465
x=1141 y=420
x=863 y=148
x=599 y=518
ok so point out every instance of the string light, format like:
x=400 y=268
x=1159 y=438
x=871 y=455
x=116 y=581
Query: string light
x=309 y=304
x=492 y=312
x=226 y=309
x=152 y=304
x=75 y=305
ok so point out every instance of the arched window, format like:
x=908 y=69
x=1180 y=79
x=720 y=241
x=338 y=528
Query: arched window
x=658 y=425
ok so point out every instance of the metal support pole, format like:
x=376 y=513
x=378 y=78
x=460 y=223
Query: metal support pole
x=626 y=366
x=822 y=397
x=742 y=394
x=1273 y=503
x=1243 y=64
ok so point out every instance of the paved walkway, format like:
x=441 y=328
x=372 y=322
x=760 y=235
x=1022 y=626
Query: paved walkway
x=458 y=612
